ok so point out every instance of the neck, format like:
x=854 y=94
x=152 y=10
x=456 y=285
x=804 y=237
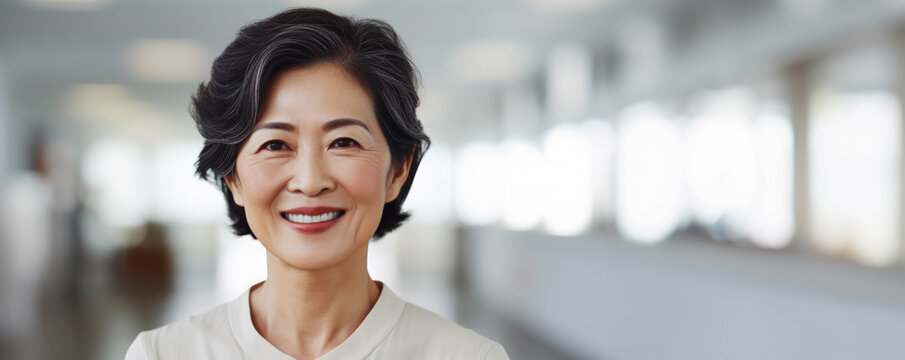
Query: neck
x=306 y=313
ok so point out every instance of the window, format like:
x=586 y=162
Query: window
x=650 y=200
x=854 y=136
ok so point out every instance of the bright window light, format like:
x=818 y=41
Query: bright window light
x=649 y=203
x=603 y=139
x=771 y=221
x=241 y=263
x=739 y=169
x=383 y=259
x=567 y=165
x=522 y=184
x=179 y=196
x=854 y=142
x=431 y=196
x=477 y=176
x=114 y=174
x=721 y=170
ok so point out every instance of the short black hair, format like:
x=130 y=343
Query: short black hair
x=227 y=107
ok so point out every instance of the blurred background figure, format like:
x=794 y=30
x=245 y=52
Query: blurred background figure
x=609 y=179
x=28 y=235
x=39 y=247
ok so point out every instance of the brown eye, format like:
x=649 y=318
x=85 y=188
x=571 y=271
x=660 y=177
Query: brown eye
x=274 y=145
x=344 y=143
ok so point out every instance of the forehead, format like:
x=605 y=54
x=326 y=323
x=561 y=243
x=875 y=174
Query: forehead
x=317 y=93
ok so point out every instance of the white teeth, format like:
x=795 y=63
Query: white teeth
x=308 y=219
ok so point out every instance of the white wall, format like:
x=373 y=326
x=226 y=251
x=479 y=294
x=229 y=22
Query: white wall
x=687 y=299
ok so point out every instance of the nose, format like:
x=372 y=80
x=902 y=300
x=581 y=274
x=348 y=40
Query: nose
x=310 y=175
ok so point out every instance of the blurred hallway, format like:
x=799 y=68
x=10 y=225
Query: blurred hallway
x=608 y=179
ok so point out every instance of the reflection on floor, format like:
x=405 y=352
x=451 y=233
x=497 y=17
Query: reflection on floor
x=97 y=320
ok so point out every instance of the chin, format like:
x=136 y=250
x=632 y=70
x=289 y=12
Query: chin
x=317 y=255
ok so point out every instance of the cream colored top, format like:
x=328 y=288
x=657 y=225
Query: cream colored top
x=393 y=329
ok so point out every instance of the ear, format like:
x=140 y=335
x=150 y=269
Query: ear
x=398 y=175
x=232 y=181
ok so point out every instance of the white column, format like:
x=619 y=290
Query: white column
x=799 y=92
x=899 y=43
x=5 y=127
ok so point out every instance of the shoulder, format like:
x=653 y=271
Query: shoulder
x=435 y=337
x=200 y=336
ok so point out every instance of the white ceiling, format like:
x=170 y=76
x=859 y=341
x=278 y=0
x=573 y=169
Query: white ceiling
x=44 y=53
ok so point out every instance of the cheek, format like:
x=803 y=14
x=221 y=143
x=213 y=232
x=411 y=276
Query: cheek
x=365 y=181
x=261 y=185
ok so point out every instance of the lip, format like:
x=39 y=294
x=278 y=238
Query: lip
x=313 y=228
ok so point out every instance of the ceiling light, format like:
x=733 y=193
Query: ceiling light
x=98 y=102
x=112 y=105
x=167 y=61
x=492 y=62
x=67 y=4
x=565 y=5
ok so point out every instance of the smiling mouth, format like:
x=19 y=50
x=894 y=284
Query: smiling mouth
x=312 y=219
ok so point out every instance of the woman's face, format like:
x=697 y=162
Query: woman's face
x=316 y=171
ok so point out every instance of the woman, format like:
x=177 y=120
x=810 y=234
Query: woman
x=310 y=131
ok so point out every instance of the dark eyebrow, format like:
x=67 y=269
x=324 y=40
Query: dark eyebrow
x=275 y=125
x=330 y=125
x=337 y=123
